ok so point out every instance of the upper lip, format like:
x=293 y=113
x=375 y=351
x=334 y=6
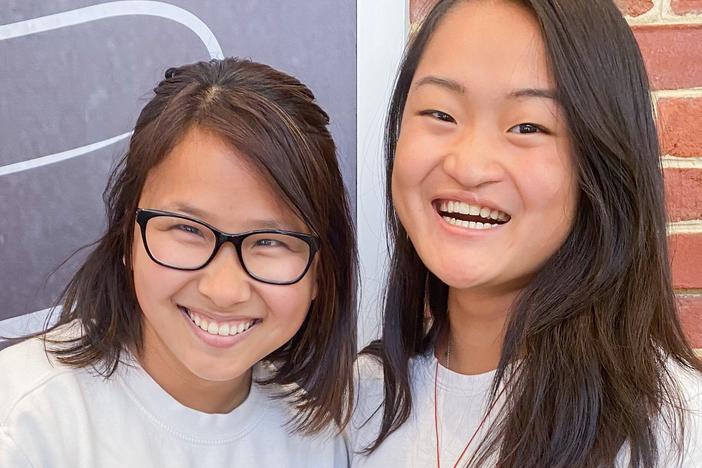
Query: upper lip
x=218 y=317
x=470 y=199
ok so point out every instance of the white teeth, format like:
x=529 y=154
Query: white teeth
x=473 y=210
x=224 y=329
x=464 y=224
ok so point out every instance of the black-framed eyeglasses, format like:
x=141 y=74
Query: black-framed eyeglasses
x=271 y=256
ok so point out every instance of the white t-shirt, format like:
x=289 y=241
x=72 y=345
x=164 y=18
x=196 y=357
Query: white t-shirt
x=55 y=416
x=462 y=404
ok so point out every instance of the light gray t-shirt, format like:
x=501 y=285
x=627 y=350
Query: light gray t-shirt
x=462 y=404
x=60 y=417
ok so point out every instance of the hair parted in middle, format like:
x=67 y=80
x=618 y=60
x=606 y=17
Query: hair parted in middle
x=273 y=120
x=605 y=296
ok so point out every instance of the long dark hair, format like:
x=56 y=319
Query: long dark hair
x=273 y=119
x=604 y=300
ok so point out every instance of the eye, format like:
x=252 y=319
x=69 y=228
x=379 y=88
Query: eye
x=188 y=229
x=268 y=243
x=438 y=115
x=527 y=128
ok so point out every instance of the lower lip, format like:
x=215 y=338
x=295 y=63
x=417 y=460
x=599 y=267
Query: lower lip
x=467 y=231
x=217 y=341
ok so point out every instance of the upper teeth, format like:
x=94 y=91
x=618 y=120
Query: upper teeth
x=222 y=329
x=474 y=210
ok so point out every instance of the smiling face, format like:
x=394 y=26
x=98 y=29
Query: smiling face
x=239 y=320
x=483 y=179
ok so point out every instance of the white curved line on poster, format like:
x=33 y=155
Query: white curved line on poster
x=62 y=156
x=93 y=13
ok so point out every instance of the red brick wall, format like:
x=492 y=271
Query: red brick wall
x=670 y=36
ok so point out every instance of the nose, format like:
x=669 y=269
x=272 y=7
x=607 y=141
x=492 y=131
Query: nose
x=473 y=158
x=224 y=280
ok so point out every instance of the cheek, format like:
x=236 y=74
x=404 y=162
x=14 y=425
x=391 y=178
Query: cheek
x=412 y=159
x=549 y=189
x=411 y=166
x=289 y=305
x=153 y=283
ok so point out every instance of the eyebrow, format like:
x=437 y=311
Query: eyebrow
x=188 y=209
x=262 y=223
x=534 y=93
x=445 y=83
x=456 y=87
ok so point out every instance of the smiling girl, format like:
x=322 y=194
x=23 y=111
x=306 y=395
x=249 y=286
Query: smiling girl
x=529 y=319
x=213 y=323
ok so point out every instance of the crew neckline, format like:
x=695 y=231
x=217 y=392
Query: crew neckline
x=187 y=423
x=454 y=382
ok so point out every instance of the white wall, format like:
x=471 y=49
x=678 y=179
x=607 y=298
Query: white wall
x=382 y=28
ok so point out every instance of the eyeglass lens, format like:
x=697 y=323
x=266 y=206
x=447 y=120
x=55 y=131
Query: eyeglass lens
x=187 y=244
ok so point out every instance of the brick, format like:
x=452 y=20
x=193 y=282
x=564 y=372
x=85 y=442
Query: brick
x=419 y=9
x=680 y=125
x=683 y=189
x=682 y=7
x=690 y=310
x=672 y=53
x=686 y=260
x=634 y=7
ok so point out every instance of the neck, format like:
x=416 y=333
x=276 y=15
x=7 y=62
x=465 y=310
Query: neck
x=187 y=388
x=476 y=330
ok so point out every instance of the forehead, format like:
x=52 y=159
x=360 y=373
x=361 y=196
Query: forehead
x=496 y=41
x=202 y=155
x=203 y=171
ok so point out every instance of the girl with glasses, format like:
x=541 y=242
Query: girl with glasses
x=530 y=320
x=213 y=323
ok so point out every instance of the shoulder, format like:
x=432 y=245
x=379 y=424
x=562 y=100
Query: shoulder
x=32 y=384
x=369 y=371
x=689 y=382
x=276 y=424
x=30 y=370
x=369 y=389
x=368 y=368
x=689 y=385
x=26 y=368
x=369 y=398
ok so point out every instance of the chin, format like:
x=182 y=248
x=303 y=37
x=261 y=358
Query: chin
x=462 y=283
x=456 y=274
x=215 y=373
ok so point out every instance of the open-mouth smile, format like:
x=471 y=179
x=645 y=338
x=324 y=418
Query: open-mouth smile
x=219 y=333
x=469 y=216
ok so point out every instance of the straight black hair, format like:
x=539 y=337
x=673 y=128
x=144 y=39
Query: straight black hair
x=605 y=298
